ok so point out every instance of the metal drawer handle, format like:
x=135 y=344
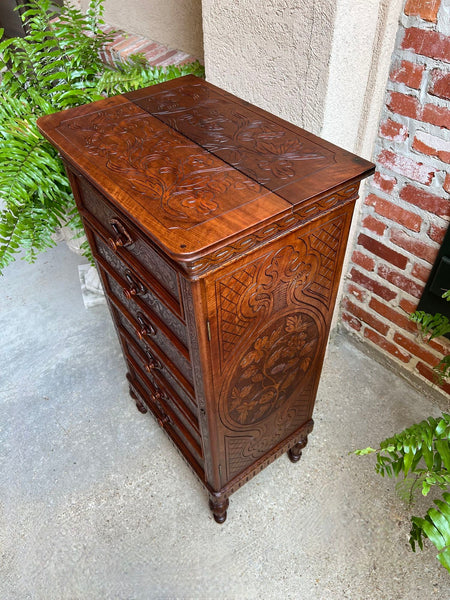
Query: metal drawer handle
x=153 y=363
x=135 y=288
x=122 y=238
x=145 y=327
x=164 y=418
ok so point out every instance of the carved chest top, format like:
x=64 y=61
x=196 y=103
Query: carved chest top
x=199 y=169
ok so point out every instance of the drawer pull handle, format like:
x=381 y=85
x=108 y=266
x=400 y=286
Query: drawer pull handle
x=135 y=288
x=122 y=238
x=145 y=328
x=164 y=418
x=153 y=363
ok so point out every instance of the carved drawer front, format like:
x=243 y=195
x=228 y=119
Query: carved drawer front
x=148 y=325
x=160 y=301
x=164 y=367
x=159 y=393
x=131 y=286
x=124 y=239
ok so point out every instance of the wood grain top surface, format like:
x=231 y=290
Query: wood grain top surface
x=196 y=166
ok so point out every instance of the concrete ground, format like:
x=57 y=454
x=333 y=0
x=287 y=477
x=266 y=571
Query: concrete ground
x=95 y=503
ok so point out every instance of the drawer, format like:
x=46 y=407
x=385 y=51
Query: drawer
x=166 y=368
x=126 y=239
x=166 y=422
x=147 y=323
x=164 y=398
x=132 y=286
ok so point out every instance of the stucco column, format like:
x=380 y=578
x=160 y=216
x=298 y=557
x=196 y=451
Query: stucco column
x=321 y=64
x=274 y=54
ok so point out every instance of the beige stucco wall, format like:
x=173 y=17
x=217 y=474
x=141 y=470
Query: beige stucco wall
x=363 y=42
x=175 y=23
x=273 y=53
x=321 y=64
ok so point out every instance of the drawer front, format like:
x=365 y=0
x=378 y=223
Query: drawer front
x=164 y=398
x=134 y=285
x=165 y=368
x=148 y=324
x=124 y=237
x=165 y=421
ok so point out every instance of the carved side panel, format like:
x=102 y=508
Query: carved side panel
x=272 y=317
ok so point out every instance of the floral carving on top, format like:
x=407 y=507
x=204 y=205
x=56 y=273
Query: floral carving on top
x=181 y=184
x=270 y=153
x=270 y=371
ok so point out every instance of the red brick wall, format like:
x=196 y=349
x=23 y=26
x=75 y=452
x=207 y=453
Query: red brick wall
x=406 y=209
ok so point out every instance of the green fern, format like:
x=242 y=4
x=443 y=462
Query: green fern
x=55 y=66
x=136 y=73
x=421 y=453
x=432 y=326
x=436 y=527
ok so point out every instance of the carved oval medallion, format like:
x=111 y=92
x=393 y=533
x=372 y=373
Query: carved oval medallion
x=271 y=369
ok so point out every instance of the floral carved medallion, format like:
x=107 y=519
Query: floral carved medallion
x=269 y=372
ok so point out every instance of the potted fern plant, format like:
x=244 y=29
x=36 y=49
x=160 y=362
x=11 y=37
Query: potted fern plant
x=419 y=456
x=54 y=67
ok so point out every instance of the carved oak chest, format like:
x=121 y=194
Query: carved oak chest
x=219 y=232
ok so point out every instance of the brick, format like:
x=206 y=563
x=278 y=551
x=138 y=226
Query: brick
x=352 y=321
x=408 y=306
x=440 y=84
x=387 y=254
x=384 y=182
x=365 y=317
x=436 y=115
x=405 y=105
x=383 y=343
x=429 y=374
x=357 y=292
x=391 y=130
x=363 y=260
x=371 y=285
x=406 y=167
x=374 y=225
x=439 y=347
x=427 y=43
x=392 y=315
x=413 y=245
x=420 y=272
x=425 y=9
x=415 y=349
x=437 y=233
x=447 y=183
x=408 y=73
x=432 y=146
x=400 y=281
x=389 y=210
x=429 y=202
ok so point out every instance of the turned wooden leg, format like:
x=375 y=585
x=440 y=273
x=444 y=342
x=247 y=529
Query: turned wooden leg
x=139 y=404
x=295 y=453
x=218 y=508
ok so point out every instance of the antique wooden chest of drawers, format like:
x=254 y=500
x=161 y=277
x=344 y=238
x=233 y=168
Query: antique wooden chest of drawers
x=219 y=233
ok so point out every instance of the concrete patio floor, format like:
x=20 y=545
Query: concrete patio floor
x=95 y=503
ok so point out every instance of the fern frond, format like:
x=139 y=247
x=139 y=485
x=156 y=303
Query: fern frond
x=402 y=453
x=55 y=66
x=436 y=527
x=136 y=73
